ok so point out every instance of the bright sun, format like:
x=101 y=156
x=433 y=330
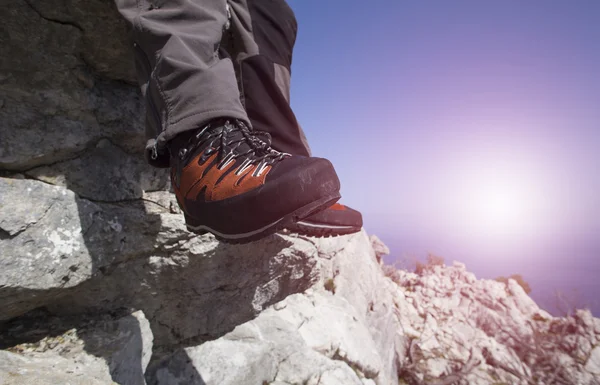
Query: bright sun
x=501 y=207
x=501 y=202
x=500 y=197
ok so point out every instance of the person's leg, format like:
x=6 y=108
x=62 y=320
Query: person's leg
x=261 y=40
x=226 y=180
x=184 y=82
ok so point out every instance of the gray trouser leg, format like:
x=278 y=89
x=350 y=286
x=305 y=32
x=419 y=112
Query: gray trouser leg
x=260 y=41
x=184 y=82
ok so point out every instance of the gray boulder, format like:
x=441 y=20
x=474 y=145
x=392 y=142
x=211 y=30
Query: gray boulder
x=194 y=288
x=100 y=352
x=52 y=240
x=17 y=369
x=270 y=349
x=340 y=331
x=43 y=248
x=105 y=173
x=58 y=60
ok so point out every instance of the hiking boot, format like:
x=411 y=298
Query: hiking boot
x=229 y=181
x=334 y=220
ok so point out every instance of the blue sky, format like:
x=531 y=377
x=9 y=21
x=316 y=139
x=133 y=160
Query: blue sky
x=468 y=129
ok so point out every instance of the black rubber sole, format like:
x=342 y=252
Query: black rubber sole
x=320 y=231
x=280 y=224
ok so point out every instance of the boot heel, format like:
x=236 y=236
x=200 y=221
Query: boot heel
x=193 y=225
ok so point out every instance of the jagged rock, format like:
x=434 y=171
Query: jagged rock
x=266 y=350
x=358 y=278
x=494 y=326
x=379 y=247
x=340 y=332
x=99 y=30
x=522 y=301
x=104 y=352
x=299 y=310
x=180 y=276
x=593 y=363
x=140 y=256
x=43 y=249
x=105 y=173
x=52 y=240
x=188 y=275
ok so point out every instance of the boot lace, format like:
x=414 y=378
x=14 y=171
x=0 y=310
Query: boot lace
x=224 y=140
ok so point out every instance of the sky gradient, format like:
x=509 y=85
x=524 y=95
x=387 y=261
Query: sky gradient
x=467 y=129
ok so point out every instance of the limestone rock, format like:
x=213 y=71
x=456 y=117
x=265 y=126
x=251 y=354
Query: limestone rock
x=178 y=276
x=16 y=369
x=51 y=240
x=379 y=247
x=105 y=352
x=289 y=346
x=593 y=363
x=57 y=63
x=43 y=249
x=266 y=350
x=126 y=345
x=328 y=334
x=493 y=332
x=105 y=173
x=289 y=309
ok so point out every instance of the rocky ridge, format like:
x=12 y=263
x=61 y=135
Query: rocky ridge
x=322 y=311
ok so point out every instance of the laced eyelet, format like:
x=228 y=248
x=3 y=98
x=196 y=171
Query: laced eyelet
x=206 y=154
x=182 y=153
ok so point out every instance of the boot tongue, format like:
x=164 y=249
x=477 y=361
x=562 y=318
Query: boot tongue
x=243 y=143
x=184 y=139
x=234 y=135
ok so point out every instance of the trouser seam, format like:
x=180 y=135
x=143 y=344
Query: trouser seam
x=168 y=106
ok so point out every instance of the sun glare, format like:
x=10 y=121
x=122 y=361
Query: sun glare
x=492 y=198
x=500 y=207
x=502 y=203
x=500 y=195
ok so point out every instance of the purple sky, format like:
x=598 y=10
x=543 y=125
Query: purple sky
x=468 y=129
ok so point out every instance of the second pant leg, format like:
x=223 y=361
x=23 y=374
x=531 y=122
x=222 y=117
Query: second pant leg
x=261 y=41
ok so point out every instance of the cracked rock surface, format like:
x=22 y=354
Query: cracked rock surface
x=63 y=72
x=315 y=337
x=117 y=176
x=43 y=250
x=100 y=350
